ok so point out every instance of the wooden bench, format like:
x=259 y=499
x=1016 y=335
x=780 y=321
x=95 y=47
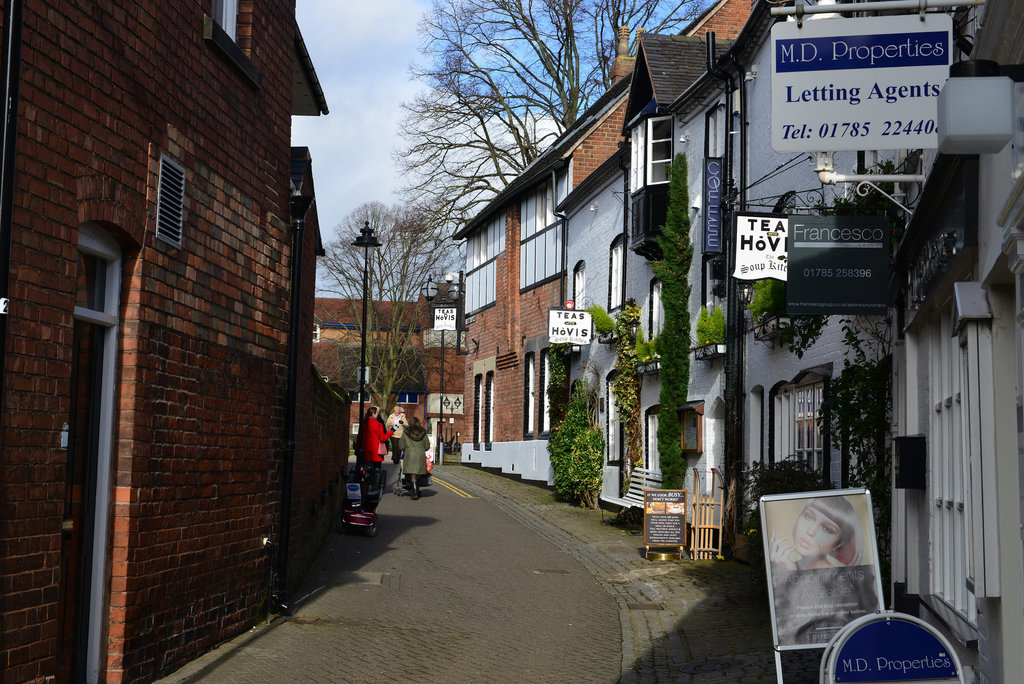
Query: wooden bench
x=641 y=479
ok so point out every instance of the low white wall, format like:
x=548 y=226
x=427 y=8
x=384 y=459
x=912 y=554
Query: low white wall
x=529 y=460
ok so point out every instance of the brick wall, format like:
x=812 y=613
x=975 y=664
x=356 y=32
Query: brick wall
x=596 y=148
x=202 y=362
x=727 y=20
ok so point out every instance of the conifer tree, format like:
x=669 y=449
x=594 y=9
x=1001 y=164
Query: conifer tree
x=673 y=269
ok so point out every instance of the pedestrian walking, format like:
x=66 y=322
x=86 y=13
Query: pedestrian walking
x=397 y=422
x=374 y=437
x=414 y=445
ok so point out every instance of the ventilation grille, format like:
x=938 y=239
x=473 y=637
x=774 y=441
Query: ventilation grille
x=170 y=202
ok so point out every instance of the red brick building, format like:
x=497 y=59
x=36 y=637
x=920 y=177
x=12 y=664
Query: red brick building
x=417 y=378
x=160 y=414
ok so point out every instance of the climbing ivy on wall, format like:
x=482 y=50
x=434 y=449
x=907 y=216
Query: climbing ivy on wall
x=673 y=269
x=626 y=386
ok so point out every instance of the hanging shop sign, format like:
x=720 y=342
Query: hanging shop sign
x=569 y=326
x=869 y=83
x=821 y=558
x=838 y=265
x=713 y=205
x=761 y=246
x=444 y=317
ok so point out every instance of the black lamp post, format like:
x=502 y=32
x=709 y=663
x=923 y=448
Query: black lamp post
x=452 y=296
x=366 y=240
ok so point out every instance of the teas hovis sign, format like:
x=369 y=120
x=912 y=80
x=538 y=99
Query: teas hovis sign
x=869 y=83
x=569 y=326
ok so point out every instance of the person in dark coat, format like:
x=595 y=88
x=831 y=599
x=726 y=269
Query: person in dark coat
x=414 y=444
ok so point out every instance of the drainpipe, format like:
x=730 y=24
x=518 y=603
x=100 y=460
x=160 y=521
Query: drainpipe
x=732 y=458
x=298 y=207
x=11 y=84
x=565 y=238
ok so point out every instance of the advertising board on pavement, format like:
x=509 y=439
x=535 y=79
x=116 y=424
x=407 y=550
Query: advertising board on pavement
x=867 y=83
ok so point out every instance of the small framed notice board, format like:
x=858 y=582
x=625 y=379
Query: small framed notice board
x=665 y=518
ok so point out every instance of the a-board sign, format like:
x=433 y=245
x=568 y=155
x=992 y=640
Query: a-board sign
x=822 y=562
x=569 y=326
x=664 y=517
x=890 y=647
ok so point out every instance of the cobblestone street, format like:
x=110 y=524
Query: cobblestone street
x=487 y=579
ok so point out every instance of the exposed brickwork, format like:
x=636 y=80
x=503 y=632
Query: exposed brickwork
x=726 y=20
x=202 y=364
x=596 y=148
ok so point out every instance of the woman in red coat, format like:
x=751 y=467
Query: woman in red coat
x=373 y=435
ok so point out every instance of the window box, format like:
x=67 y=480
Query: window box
x=606 y=338
x=770 y=328
x=649 y=367
x=709 y=352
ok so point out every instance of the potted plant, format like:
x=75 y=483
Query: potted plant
x=768 y=307
x=604 y=324
x=710 y=333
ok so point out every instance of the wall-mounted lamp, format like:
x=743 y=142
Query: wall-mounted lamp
x=746 y=291
x=975 y=109
x=684 y=137
x=752 y=74
x=593 y=207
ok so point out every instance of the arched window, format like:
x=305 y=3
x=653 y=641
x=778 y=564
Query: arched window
x=579 y=285
x=615 y=264
x=656 y=312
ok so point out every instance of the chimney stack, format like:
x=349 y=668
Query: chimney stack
x=622 y=65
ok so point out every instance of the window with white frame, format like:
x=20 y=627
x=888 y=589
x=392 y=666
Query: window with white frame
x=651 y=458
x=615 y=263
x=651 y=152
x=715 y=131
x=579 y=285
x=613 y=426
x=489 y=408
x=949 y=439
x=545 y=406
x=540 y=248
x=529 y=394
x=796 y=416
x=656 y=313
x=225 y=13
x=482 y=250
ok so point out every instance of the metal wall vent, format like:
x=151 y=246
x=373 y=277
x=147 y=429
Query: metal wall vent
x=170 y=202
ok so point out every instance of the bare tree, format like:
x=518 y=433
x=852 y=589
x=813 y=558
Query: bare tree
x=410 y=251
x=503 y=80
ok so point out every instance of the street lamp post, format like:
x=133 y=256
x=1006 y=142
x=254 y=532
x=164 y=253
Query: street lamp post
x=366 y=240
x=452 y=296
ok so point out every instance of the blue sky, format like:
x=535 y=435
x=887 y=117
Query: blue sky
x=361 y=52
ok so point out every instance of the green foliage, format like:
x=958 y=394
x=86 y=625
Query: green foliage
x=858 y=418
x=603 y=322
x=558 y=381
x=710 y=326
x=673 y=269
x=801 y=332
x=626 y=386
x=646 y=350
x=576 y=446
x=769 y=299
x=781 y=477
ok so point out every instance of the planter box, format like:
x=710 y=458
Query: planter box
x=770 y=328
x=649 y=367
x=606 y=338
x=709 y=352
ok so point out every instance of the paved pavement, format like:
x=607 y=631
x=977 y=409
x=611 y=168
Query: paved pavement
x=492 y=580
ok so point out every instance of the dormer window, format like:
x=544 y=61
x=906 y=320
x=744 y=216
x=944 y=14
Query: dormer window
x=651 y=152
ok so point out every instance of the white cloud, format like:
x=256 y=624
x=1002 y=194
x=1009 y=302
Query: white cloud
x=361 y=52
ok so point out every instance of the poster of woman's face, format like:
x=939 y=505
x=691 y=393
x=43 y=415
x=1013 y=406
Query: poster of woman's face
x=821 y=562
